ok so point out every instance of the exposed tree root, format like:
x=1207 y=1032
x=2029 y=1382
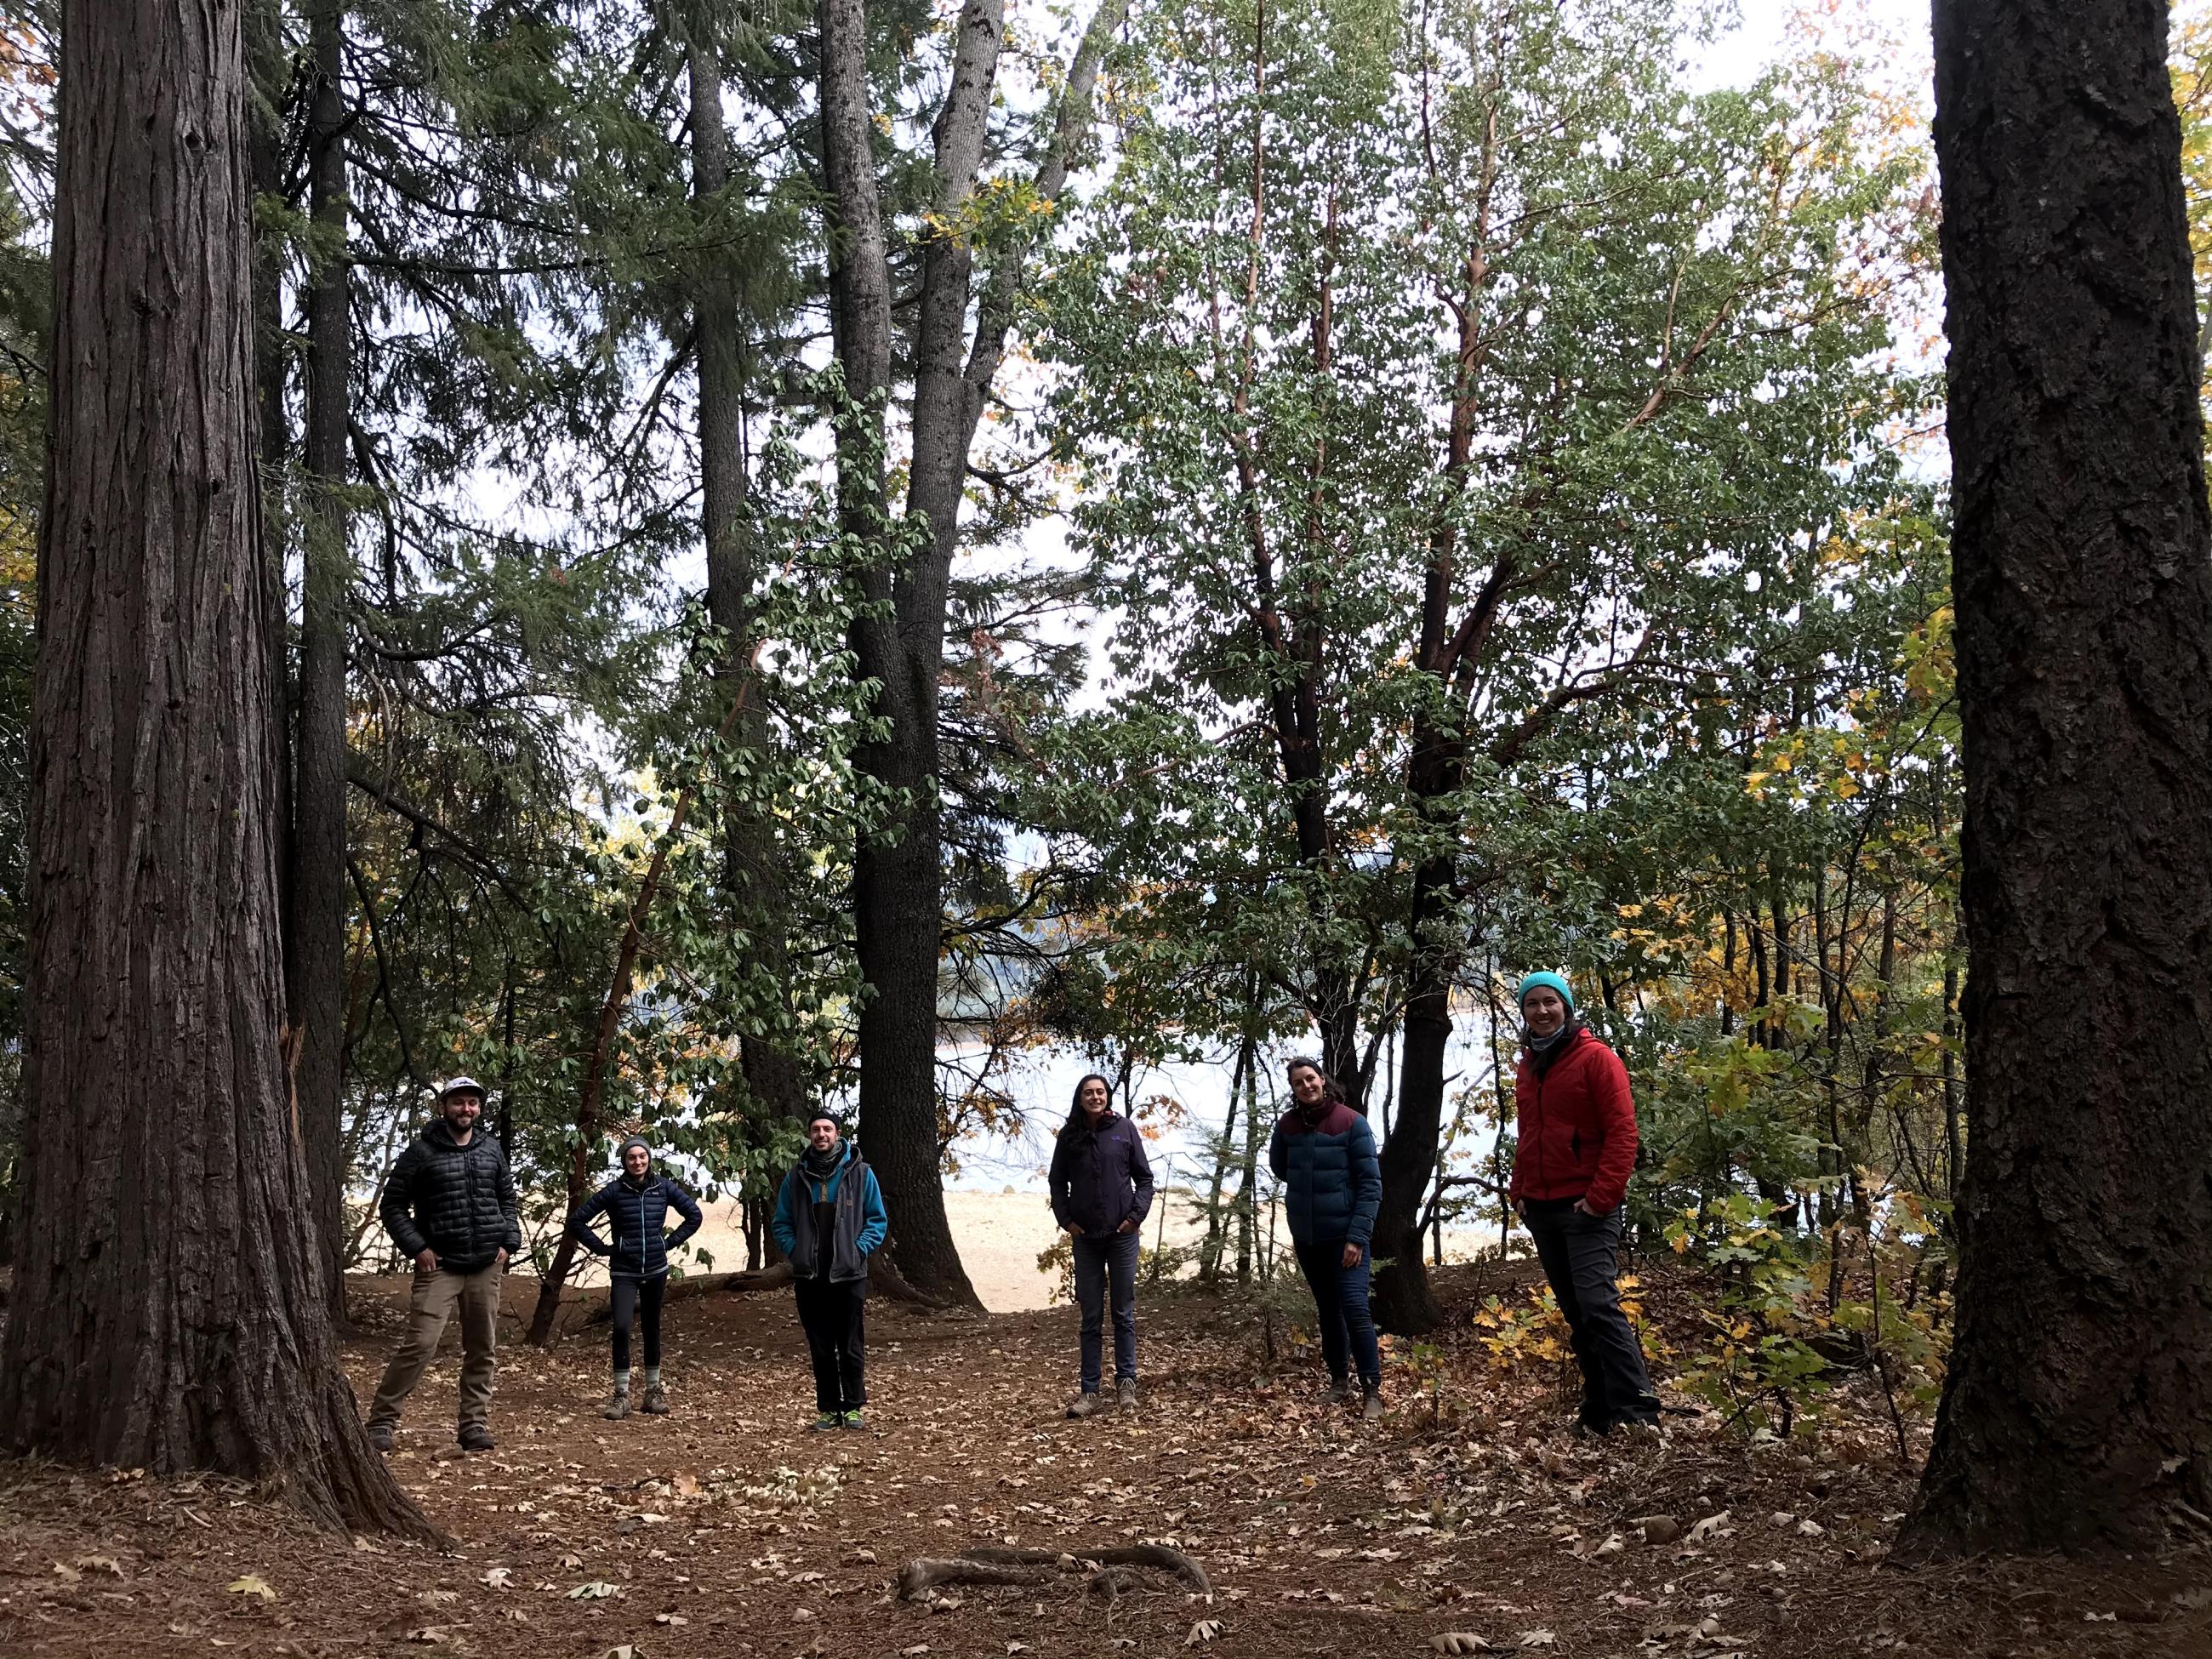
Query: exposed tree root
x=1110 y=1577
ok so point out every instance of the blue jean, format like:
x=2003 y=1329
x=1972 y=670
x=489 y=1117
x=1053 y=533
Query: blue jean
x=1339 y=1293
x=1097 y=1261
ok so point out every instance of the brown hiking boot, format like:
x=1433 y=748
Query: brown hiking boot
x=617 y=1406
x=656 y=1401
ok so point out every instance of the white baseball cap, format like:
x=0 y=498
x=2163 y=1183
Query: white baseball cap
x=458 y=1084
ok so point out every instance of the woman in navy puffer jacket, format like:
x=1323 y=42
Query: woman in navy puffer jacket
x=1323 y=1153
x=636 y=1204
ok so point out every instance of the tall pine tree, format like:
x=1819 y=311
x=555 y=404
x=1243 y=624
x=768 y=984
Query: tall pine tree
x=2081 y=1376
x=171 y=1306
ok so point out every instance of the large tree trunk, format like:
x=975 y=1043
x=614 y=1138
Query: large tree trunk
x=897 y=880
x=271 y=71
x=2081 y=1382
x=900 y=643
x=314 y=947
x=170 y=1309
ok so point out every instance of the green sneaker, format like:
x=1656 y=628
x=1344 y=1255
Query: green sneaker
x=826 y=1420
x=852 y=1420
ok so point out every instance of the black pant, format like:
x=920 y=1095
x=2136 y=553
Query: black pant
x=829 y=1311
x=1581 y=1258
x=641 y=1298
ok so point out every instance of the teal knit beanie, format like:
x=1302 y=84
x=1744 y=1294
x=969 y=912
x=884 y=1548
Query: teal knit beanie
x=1554 y=981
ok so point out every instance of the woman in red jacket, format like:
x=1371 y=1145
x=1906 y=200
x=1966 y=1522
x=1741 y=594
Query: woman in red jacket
x=1577 y=1145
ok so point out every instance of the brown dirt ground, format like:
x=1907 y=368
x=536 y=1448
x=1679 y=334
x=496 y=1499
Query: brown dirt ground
x=724 y=1530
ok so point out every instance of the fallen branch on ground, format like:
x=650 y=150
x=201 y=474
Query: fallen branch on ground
x=990 y=1564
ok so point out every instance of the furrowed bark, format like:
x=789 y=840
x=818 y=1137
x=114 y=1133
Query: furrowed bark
x=171 y=1310
x=2080 y=1389
x=315 y=948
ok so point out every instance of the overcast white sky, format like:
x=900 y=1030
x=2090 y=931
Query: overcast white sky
x=1765 y=26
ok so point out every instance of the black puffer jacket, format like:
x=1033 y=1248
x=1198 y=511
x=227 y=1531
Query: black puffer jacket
x=637 y=1210
x=457 y=1200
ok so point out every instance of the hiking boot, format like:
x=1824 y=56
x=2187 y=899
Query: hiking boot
x=1086 y=1405
x=1339 y=1392
x=826 y=1420
x=655 y=1403
x=617 y=1406
x=474 y=1437
x=380 y=1437
x=1371 y=1404
x=852 y=1420
x=1125 y=1395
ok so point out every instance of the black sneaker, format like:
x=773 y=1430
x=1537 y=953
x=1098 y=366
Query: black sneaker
x=380 y=1437
x=474 y=1437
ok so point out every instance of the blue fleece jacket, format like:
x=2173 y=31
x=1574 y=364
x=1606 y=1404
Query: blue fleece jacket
x=860 y=1222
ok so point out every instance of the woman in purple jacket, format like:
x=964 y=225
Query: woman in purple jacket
x=1102 y=1188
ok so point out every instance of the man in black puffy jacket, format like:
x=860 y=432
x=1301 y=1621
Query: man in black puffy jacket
x=450 y=1204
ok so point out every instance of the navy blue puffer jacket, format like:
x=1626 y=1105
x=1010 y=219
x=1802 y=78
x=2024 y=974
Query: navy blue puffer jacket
x=1332 y=1183
x=637 y=1211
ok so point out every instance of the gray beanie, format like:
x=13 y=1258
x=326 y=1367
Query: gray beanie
x=629 y=1141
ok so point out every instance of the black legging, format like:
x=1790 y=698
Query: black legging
x=641 y=1296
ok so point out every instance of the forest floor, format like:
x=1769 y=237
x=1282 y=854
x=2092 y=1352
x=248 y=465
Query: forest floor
x=724 y=1529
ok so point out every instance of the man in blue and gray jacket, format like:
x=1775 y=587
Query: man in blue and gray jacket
x=828 y=1221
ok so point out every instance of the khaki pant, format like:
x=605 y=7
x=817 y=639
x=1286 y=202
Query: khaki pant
x=428 y=1309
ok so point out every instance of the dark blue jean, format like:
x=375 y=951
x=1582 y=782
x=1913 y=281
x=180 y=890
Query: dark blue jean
x=1339 y=1293
x=1097 y=1262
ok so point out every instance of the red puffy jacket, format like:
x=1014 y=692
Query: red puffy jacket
x=1577 y=1126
